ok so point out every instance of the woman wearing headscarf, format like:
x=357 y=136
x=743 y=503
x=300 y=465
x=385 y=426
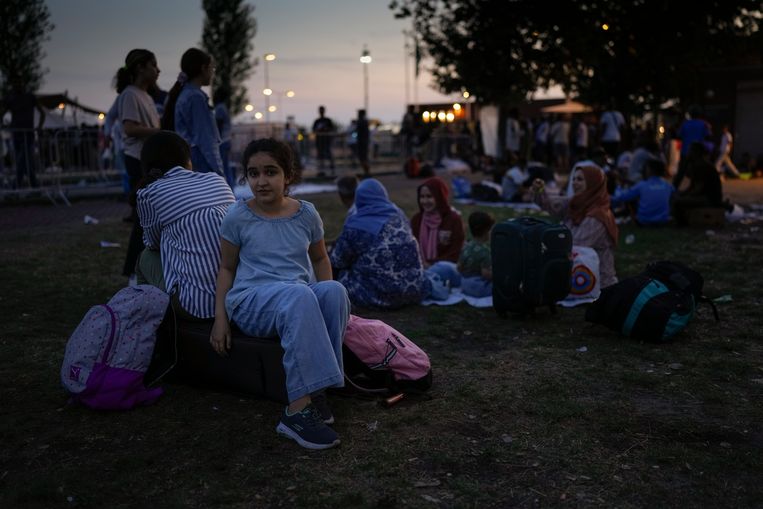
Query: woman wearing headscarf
x=588 y=216
x=438 y=227
x=376 y=256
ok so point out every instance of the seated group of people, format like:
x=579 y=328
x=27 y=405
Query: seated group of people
x=385 y=261
x=639 y=189
x=263 y=264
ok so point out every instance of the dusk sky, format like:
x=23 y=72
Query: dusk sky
x=317 y=43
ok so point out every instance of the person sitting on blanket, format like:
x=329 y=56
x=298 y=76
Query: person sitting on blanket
x=180 y=212
x=653 y=194
x=474 y=263
x=705 y=188
x=346 y=187
x=437 y=226
x=588 y=216
x=376 y=256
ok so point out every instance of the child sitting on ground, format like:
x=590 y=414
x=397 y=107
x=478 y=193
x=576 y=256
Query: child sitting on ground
x=515 y=182
x=653 y=194
x=474 y=264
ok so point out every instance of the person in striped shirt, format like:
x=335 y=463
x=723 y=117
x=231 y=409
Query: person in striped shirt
x=181 y=212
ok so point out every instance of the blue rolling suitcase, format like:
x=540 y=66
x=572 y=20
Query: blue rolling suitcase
x=532 y=263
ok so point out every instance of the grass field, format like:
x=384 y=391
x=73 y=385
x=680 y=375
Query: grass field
x=517 y=416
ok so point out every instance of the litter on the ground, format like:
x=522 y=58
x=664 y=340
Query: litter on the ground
x=582 y=349
x=724 y=298
x=90 y=220
x=106 y=243
x=427 y=484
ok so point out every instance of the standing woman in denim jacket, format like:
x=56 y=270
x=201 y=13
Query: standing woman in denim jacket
x=189 y=113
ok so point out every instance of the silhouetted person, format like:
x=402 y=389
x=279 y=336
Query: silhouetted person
x=693 y=129
x=409 y=131
x=705 y=188
x=22 y=103
x=364 y=138
x=324 y=128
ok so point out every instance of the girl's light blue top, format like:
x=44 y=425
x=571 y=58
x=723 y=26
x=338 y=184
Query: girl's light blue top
x=271 y=250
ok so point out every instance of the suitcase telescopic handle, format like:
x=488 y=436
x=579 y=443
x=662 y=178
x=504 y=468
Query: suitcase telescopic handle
x=530 y=221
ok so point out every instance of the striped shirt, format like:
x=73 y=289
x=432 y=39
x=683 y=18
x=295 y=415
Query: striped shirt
x=181 y=215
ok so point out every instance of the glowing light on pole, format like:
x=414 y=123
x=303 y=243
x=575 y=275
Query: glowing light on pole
x=267 y=91
x=365 y=59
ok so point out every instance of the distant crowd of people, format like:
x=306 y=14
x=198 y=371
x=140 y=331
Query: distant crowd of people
x=636 y=179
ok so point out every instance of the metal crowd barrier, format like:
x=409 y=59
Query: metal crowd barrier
x=49 y=162
x=53 y=162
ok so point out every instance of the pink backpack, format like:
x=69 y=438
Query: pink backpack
x=379 y=359
x=110 y=350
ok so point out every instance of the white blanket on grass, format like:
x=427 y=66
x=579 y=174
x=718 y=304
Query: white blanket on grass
x=487 y=302
x=456 y=296
x=245 y=192
x=511 y=205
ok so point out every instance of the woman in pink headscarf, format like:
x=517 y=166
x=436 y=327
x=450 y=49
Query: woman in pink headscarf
x=438 y=227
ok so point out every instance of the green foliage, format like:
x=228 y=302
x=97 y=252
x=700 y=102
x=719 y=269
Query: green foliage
x=638 y=53
x=229 y=29
x=24 y=25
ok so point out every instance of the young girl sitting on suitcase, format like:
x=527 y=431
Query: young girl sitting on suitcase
x=588 y=216
x=269 y=245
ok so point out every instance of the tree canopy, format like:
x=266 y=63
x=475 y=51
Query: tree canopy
x=24 y=25
x=229 y=28
x=636 y=52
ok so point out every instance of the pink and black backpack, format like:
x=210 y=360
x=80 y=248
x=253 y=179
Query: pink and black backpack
x=378 y=359
x=110 y=350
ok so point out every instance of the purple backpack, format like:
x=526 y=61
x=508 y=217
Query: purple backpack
x=110 y=350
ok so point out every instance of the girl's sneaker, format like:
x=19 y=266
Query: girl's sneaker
x=307 y=428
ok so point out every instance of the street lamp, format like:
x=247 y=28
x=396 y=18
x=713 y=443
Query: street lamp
x=280 y=95
x=365 y=59
x=267 y=92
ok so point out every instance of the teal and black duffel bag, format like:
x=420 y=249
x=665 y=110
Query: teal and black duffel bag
x=653 y=306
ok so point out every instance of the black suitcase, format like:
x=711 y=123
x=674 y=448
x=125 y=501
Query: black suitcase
x=254 y=366
x=532 y=264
